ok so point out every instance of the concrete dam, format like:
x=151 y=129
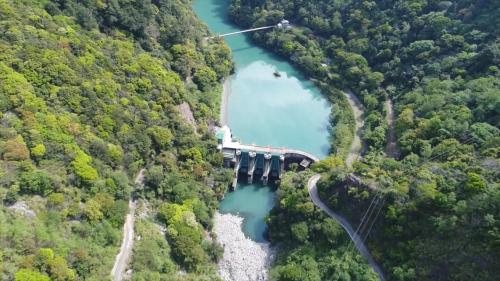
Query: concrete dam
x=258 y=163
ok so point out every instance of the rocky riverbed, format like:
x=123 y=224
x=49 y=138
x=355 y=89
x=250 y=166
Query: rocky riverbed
x=244 y=259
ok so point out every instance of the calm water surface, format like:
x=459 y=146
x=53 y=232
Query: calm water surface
x=283 y=112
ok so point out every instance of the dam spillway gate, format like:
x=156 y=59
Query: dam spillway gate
x=258 y=163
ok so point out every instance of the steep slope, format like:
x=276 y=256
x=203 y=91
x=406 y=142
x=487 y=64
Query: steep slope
x=89 y=95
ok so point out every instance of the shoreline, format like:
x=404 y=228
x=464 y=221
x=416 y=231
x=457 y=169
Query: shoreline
x=226 y=92
x=243 y=259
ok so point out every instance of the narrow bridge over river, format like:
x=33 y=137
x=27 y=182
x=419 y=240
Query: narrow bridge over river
x=259 y=161
x=282 y=24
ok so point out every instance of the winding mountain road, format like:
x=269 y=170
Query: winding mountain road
x=123 y=258
x=354 y=153
x=358 y=242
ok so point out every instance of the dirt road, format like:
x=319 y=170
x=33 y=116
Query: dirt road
x=123 y=258
x=358 y=111
x=391 y=149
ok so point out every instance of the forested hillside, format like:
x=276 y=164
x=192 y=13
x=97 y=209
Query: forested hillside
x=90 y=93
x=438 y=61
x=312 y=246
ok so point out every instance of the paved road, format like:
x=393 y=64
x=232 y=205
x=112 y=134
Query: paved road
x=313 y=192
x=123 y=258
x=357 y=144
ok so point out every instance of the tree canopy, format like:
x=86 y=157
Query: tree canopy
x=90 y=93
x=438 y=63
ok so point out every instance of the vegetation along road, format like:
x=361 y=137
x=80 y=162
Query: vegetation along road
x=123 y=257
x=354 y=153
x=358 y=242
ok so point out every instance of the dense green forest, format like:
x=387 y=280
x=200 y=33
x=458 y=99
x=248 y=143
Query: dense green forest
x=93 y=91
x=435 y=208
x=90 y=93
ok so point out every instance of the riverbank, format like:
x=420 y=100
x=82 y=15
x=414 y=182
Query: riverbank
x=226 y=91
x=244 y=259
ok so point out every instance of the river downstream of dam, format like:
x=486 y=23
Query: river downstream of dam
x=287 y=111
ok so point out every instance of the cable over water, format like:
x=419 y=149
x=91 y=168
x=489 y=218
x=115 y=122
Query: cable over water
x=242 y=31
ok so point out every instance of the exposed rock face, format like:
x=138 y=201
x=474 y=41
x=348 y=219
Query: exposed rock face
x=187 y=114
x=22 y=208
x=244 y=259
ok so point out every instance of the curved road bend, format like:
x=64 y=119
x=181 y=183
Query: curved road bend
x=358 y=242
x=123 y=258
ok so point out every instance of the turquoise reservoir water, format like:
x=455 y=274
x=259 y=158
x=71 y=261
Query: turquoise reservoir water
x=288 y=111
